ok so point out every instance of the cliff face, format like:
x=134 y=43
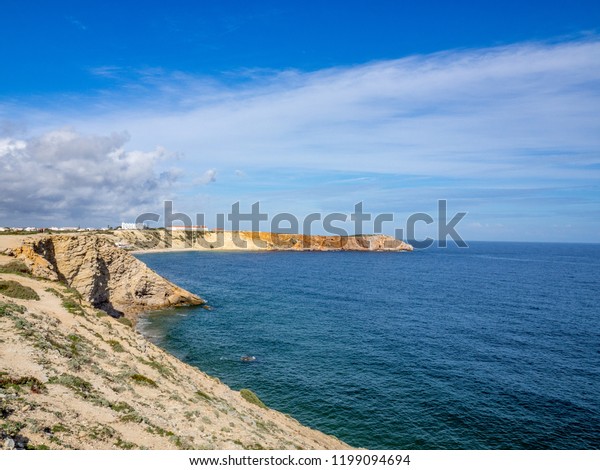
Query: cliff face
x=109 y=278
x=162 y=239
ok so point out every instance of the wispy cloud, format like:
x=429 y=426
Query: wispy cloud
x=481 y=113
x=75 y=22
x=209 y=176
x=519 y=117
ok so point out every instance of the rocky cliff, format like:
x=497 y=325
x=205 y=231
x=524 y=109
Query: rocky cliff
x=161 y=239
x=108 y=277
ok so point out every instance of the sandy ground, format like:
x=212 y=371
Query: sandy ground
x=78 y=379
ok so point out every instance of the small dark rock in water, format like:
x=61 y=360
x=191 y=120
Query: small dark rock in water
x=248 y=358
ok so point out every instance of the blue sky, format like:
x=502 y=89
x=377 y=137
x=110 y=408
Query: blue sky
x=106 y=109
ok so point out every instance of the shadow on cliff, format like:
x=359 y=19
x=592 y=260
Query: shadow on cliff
x=100 y=293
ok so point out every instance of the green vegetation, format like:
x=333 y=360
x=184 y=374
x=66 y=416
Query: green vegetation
x=40 y=447
x=203 y=395
x=122 y=406
x=34 y=385
x=254 y=446
x=124 y=444
x=132 y=417
x=125 y=321
x=17 y=291
x=116 y=346
x=7 y=309
x=251 y=397
x=101 y=432
x=80 y=386
x=73 y=293
x=15 y=267
x=59 y=427
x=54 y=292
x=161 y=368
x=159 y=431
x=11 y=428
x=143 y=380
x=72 y=307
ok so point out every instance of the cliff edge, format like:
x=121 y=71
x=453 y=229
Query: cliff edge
x=108 y=277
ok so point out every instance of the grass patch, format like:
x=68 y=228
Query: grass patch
x=72 y=307
x=251 y=397
x=59 y=427
x=121 y=444
x=159 y=431
x=8 y=309
x=143 y=380
x=54 y=292
x=203 y=395
x=80 y=386
x=34 y=385
x=38 y=447
x=73 y=293
x=17 y=291
x=15 y=267
x=11 y=428
x=101 y=432
x=122 y=406
x=125 y=321
x=131 y=418
x=116 y=346
x=161 y=368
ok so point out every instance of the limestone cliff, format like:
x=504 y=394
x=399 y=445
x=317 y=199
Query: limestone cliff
x=109 y=278
x=161 y=239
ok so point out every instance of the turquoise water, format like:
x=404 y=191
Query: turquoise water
x=492 y=347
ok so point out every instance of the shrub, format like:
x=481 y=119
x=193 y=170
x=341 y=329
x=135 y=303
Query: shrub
x=82 y=387
x=125 y=321
x=54 y=292
x=143 y=380
x=122 y=406
x=72 y=307
x=121 y=444
x=116 y=345
x=203 y=395
x=15 y=267
x=7 y=309
x=35 y=385
x=132 y=417
x=251 y=397
x=17 y=291
x=161 y=368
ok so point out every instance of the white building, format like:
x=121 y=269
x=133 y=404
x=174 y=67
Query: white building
x=133 y=226
x=188 y=228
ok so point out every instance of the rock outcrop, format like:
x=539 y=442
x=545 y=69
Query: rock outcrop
x=161 y=239
x=108 y=277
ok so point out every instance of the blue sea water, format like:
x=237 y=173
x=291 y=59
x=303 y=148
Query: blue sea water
x=496 y=346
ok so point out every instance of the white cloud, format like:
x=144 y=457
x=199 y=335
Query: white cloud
x=508 y=119
x=479 y=113
x=209 y=176
x=69 y=176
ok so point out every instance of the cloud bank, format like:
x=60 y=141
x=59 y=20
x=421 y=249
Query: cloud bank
x=65 y=176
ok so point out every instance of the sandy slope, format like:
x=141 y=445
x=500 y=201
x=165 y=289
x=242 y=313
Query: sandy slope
x=91 y=382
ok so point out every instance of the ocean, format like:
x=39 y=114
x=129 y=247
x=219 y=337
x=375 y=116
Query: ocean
x=496 y=346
